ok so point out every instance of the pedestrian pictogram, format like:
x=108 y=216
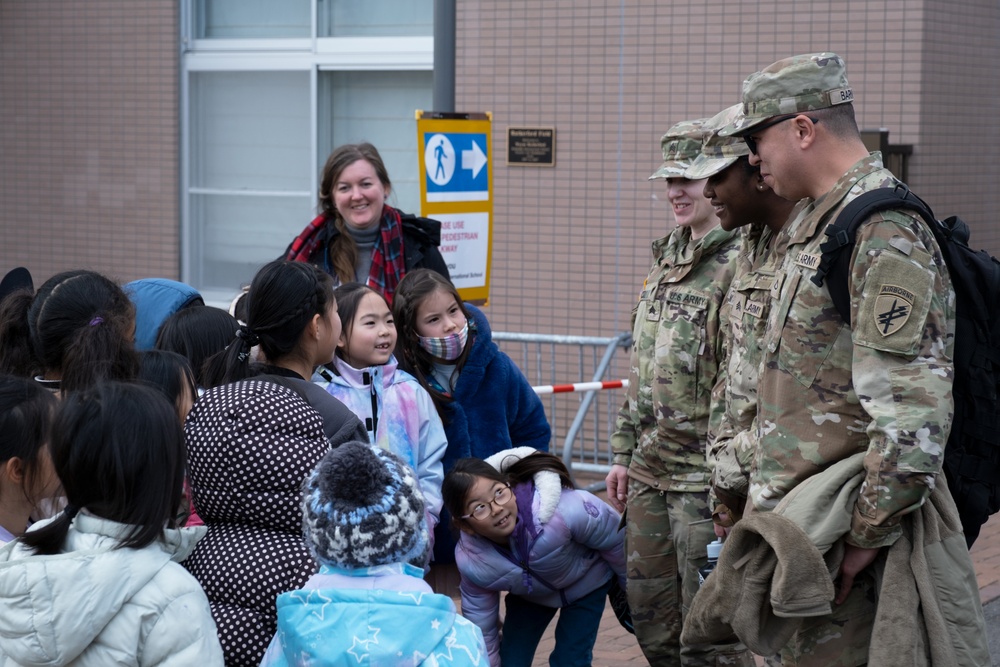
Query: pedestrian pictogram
x=456 y=165
x=455 y=179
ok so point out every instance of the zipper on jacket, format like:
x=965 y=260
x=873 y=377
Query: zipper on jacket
x=371 y=423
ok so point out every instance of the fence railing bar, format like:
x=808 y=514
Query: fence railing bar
x=581 y=451
x=581 y=413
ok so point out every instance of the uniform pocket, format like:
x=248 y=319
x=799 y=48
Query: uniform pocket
x=804 y=328
x=680 y=341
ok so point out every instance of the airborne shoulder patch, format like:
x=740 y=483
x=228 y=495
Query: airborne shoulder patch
x=895 y=301
x=893 y=305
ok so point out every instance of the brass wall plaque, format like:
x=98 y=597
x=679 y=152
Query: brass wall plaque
x=531 y=146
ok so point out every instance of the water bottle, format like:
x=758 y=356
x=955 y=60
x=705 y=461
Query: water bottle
x=713 y=549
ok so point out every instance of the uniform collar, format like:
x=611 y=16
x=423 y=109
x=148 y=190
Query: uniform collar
x=814 y=212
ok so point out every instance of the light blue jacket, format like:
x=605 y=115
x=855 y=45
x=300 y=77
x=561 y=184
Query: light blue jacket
x=97 y=605
x=383 y=616
x=407 y=422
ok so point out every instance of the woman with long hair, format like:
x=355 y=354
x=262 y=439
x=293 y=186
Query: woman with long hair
x=357 y=236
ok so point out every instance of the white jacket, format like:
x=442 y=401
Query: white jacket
x=96 y=605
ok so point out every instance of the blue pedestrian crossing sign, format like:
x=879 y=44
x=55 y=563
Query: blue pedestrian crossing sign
x=456 y=180
x=457 y=166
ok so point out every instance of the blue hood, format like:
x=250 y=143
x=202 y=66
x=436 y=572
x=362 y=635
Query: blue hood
x=155 y=300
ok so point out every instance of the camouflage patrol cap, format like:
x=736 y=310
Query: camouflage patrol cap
x=718 y=152
x=681 y=144
x=793 y=85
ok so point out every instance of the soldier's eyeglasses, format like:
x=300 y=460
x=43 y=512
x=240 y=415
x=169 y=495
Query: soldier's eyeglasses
x=481 y=511
x=752 y=142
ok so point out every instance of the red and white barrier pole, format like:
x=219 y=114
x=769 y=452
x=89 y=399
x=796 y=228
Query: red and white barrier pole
x=579 y=386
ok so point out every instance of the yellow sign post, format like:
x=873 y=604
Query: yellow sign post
x=456 y=184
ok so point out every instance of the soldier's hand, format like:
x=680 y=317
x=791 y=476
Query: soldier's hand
x=617 y=482
x=856 y=559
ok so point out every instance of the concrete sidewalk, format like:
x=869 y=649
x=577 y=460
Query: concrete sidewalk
x=617 y=647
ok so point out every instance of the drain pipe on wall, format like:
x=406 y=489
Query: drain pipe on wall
x=444 y=55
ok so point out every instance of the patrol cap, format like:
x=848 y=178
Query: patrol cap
x=793 y=85
x=681 y=144
x=718 y=152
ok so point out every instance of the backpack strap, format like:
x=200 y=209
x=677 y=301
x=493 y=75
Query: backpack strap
x=842 y=234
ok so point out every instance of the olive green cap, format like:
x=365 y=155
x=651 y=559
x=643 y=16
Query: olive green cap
x=793 y=85
x=681 y=144
x=718 y=152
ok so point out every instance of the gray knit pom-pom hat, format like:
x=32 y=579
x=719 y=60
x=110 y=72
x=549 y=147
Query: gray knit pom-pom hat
x=362 y=507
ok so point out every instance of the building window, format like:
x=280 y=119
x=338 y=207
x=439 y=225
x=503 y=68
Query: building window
x=236 y=19
x=350 y=18
x=264 y=104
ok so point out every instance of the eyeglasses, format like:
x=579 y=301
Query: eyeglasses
x=481 y=511
x=752 y=143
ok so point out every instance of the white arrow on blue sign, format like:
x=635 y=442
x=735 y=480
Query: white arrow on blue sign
x=457 y=166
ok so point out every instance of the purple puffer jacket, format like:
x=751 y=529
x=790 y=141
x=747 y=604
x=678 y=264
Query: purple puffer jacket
x=576 y=550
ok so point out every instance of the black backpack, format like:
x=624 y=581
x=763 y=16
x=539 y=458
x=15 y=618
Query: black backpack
x=972 y=455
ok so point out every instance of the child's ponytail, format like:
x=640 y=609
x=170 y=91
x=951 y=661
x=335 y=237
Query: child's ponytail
x=81 y=324
x=100 y=351
x=233 y=363
x=49 y=539
x=283 y=298
x=525 y=468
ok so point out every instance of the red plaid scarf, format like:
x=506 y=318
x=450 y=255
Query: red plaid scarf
x=387 y=257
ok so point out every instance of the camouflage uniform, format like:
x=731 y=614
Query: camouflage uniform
x=661 y=427
x=744 y=309
x=734 y=399
x=827 y=390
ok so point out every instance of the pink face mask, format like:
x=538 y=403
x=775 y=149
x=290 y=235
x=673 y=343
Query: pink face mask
x=449 y=347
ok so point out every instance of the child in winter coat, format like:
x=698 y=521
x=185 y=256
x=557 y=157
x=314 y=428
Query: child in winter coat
x=26 y=474
x=485 y=402
x=398 y=413
x=364 y=522
x=527 y=531
x=101 y=583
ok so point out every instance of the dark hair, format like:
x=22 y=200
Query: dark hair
x=168 y=373
x=412 y=290
x=197 y=333
x=284 y=296
x=343 y=250
x=119 y=450
x=17 y=357
x=81 y=325
x=18 y=353
x=26 y=411
x=463 y=475
x=349 y=296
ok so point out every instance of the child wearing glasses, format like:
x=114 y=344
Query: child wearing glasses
x=526 y=530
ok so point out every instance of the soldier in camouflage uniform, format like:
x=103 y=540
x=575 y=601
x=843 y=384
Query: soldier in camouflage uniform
x=660 y=471
x=742 y=201
x=827 y=390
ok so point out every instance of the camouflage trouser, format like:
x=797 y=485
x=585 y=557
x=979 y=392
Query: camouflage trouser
x=840 y=639
x=665 y=538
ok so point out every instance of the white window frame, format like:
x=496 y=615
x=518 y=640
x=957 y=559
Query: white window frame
x=310 y=55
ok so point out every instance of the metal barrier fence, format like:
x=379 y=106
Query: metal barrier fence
x=552 y=359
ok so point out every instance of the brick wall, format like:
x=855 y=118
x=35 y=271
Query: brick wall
x=89 y=122
x=571 y=243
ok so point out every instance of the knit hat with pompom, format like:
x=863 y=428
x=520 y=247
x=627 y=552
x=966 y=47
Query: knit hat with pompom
x=362 y=507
